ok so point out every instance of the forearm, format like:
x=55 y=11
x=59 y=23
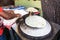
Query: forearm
x=2 y=14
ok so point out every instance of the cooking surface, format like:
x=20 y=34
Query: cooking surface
x=56 y=28
x=36 y=32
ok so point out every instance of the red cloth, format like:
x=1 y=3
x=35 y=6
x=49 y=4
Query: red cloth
x=1 y=31
x=1 y=9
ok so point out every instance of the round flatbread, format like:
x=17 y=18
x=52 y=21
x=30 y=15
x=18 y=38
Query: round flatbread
x=35 y=21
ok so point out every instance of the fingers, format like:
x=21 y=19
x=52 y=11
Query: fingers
x=9 y=11
x=11 y=14
x=5 y=16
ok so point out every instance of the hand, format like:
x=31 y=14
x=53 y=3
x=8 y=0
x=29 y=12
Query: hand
x=9 y=14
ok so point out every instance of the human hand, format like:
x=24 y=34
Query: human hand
x=9 y=14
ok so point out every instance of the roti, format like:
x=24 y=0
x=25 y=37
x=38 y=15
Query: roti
x=35 y=21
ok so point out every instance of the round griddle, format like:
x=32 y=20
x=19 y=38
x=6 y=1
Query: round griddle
x=33 y=33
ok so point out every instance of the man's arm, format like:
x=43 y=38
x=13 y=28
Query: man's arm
x=9 y=14
x=4 y=15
